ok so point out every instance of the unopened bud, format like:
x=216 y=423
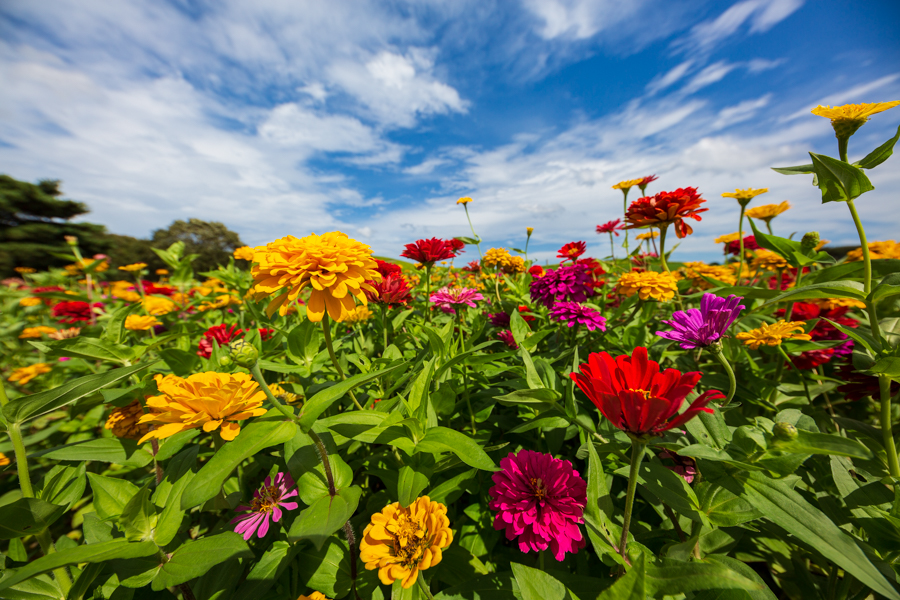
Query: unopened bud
x=225 y=361
x=243 y=353
x=784 y=431
x=810 y=241
x=71 y=240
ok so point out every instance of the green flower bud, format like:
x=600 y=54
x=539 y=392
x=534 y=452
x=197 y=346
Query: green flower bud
x=243 y=353
x=809 y=241
x=784 y=431
x=225 y=361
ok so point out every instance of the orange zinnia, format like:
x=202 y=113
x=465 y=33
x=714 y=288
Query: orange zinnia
x=666 y=208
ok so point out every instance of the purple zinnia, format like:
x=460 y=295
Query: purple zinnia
x=573 y=283
x=573 y=314
x=500 y=320
x=701 y=328
x=446 y=297
x=268 y=500
x=540 y=500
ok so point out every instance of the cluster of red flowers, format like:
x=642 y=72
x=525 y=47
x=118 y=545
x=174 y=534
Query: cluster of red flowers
x=536 y=271
x=822 y=331
x=428 y=252
x=473 y=267
x=74 y=311
x=47 y=288
x=151 y=289
x=785 y=280
x=223 y=335
x=666 y=208
x=735 y=246
x=393 y=289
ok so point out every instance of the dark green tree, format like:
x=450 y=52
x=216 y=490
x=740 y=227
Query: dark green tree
x=211 y=240
x=34 y=221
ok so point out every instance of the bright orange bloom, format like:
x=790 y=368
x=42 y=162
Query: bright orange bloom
x=666 y=208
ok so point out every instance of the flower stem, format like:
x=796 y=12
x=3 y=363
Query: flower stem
x=424 y=587
x=326 y=329
x=257 y=375
x=625 y=212
x=637 y=453
x=326 y=464
x=663 y=229
x=887 y=429
x=384 y=327
x=475 y=235
x=428 y=289
x=732 y=383
x=740 y=271
x=612 y=248
x=799 y=372
x=497 y=287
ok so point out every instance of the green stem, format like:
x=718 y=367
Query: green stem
x=475 y=235
x=769 y=226
x=740 y=271
x=716 y=350
x=799 y=372
x=663 y=229
x=384 y=327
x=257 y=375
x=326 y=464
x=424 y=586
x=428 y=289
x=497 y=287
x=637 y=453
x=779 y=369
x=326 y=329
x=612 y=248
x=625 y=212
x=867 y=273
x=887 y=429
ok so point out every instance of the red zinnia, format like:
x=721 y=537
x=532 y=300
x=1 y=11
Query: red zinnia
x=536 y=271
x=611 y=227
x=223 y=334
x=428 y=252
x=391 y=290
x=73 y=311
x=48 y=288
x=265 y=334
x=644 y=182
x=386 y=268
x=666 y=208
x=151 y=289
x=571 y=251
x=811 y=359
x=457 y=245
x=636 y=397
x=526 y=318
x=735 y=246
x=472 y=267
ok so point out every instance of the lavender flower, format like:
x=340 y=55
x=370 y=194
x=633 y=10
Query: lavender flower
x=573 y=283
x=268 y=500
x=701 y=328
x=446 y=297
x=572 y=313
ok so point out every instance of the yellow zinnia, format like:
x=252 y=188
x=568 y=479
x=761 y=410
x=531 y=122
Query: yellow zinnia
x=133 y=267
x=767 y=212
x=848 y=118
x=696 y=271
x=158 y=305
x=768 y=260
x=313 y=596
x=773 y=335
x=162 y=271
x=627 y=184
x=647 y=285
x=464 y=200
x=23 y=375
x=222 y=301
x=140 y=322
x=35 y=332
x=888 y=249
x=832 y=303
x=26 y=302
x=4 y=460
x=244 y=253
x=529 y=231
x=358 y=315
x=744 y=196
x=497 y=257
x=123 y=422
x=24 y=270
x=335 y=266
x=728 y=238
x=650 y=235
x=400 y=542
x=208 y=400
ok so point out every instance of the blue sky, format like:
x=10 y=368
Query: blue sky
x=281 y=117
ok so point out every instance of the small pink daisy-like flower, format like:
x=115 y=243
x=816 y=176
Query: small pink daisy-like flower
x=446 y=297
x=540 y=500
x=268 y=500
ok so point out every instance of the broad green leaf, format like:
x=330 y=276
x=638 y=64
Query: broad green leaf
x=889 y=286
x=709 y=429
x=599 y=504
x=170 y=519
x=442 y=439
x=181 y=362
x=447 y=491
x=419 y=390
x=27 y=516
x=115 y=325
x=88 y=348
x=320 y=402
x=254 y=437
x=195 y=558
x=631 y=586
x=861 y=335
x=35 y=405
x=109 y=450
x=265 y=571
x=879 y=154
x=531 y=374
x=537 y=585
x=326 y=570
x=538 y=396
x=669 y=487
x=63 y=485
x=110 y=494
x=518 y=326
x=138 y=517
x=674 y=577
x=321 y=520
x=313 y=484
x=723 y=507
x=888 y=366
x=808 y=442
x=839 y=181
x=496 y=586
x=409 y=485
x=86 y=553
x=791 y=251
x=831 y=289
x=763 y=593
x=798 y=170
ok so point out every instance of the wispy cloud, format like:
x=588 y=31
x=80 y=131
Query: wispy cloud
x=759 y=15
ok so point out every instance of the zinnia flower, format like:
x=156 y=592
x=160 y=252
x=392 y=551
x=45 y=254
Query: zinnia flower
x=464 y=200
x=627 y=184
x=223 y=334
x=858 y=385
x=208 y=400
x=888 y=249
x=157 y=306
x=571 y=251
x=695 y=328
x=666 y=208
x=573 y=283
x=735 y=246
x=151 y=288
x=611 y=227
x=244 y=253
x=773 y=335
x=728 y=238
x=632 y=393
x=744 y=196
x=767 y=212
x=74 y=311
x=23 y=375
x=428 y=252
x=812 y=359
x=445 y=298
x=536 y=271
x=133 y=267
x=767 y=260
x=650 y=235
x=140 y=322
x=648 y=285
x=35 y=332
x=684 y=466
x=473 y=267
x=507 y=338
x=4 y=460
x=848 y=118
x=30 y=301
x=267 y=501
x=540 y=500
x=573 y=313
x=333 y=265
x=65 y=334
x=313 y=596
x=359 y=315
x=400 y=542
x=645 y=181
x=123 y=422
x=24 y=270
x=696 y=271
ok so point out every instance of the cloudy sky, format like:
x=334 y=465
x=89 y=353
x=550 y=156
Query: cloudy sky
x=282 y=117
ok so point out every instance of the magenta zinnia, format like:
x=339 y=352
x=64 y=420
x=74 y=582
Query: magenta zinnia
x=573 y=313
x=574 y=283
x=446 y=298
x=267 y=501
x=540 y=500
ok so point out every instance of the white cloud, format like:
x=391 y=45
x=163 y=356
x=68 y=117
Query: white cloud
x=740 y=112
x=709 y=75
x=671 y=76
x=580 y=19
x=761 y=14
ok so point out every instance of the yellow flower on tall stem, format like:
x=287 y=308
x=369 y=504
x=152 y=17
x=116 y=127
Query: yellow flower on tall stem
x=400 y=542
x=848 y=118
x=743 y=197
x=23 y=375
x=767 y=212
x=774 y=334
x=204 y=400
x=625 y=186
x=140 y=322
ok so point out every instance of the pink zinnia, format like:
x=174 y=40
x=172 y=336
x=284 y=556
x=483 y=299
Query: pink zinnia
x=445 y=298
x=507 y=338
x=611 y=227
x=268 y=500
x=540 y=500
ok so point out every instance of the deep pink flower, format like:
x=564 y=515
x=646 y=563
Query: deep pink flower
x=268 y=500
x=573 y=313
x=223 y=334
x=682 y=465
x=507 y=338
x=735 y=246
x=540 y=500
x=573 y=283
x=75 y=311
x=445 y=298
x=611 y=227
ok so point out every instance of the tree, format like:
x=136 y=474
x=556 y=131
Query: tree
x=211 y=240
x=34 y=222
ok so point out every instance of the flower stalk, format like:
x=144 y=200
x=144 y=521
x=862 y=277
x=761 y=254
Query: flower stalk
x=475 y=235
x=716 y=350
x=424 y=587
x=326 y=329
x=637 y=454
x=887 y=430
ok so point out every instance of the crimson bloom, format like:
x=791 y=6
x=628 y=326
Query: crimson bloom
x=73 y=311
x=645 y=181
x=571 y=251
x=457 y=245
x=507 y=338
x=735 y=246
x=152 y=289
x=223 y=334
x=611 y=227
x=48 y=288
x=393 y=288
x=540 y=500
x=536 y=271
x=636 y=396
x=428 y=252
x=473 y=267
x=666 y=208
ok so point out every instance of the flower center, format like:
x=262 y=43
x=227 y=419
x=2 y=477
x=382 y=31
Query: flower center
x=409 y=541
x=267 y=500
x=644 y=393
x=539 y=490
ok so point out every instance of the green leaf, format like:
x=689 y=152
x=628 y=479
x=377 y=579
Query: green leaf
x=791 y=251
x=860 y=335
x=320 y=402
x=599 y=509
x=254 y=437
x=709 y=429
x=138 y=517
x=170 y=519
x=531 y=374
x=35 y=405
x=798 y=170
x=409 y=485
x=326 y=570
x=763 y=593
x=181 y=362
x=27 y=516
x=326 y=516
x=538 y=396
x=838 y=180
x=671 y=488
x=195 y=558
x=420 y=387
x=468 y=240
x=675 y=577
x=442 y=439
x=89 y=348
x=631 y=586
x=313 y=484
x=115 y=325
x=879 y=154
x=889 y=286
x=888 y=366
x=537 y=585
x=87 y=553
x=63 y=485
x=111 y=495
x=808 y=442
x=723 y=507
x=518 y=326
x=109 y=450
x=830 y=289
x=265 y=571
